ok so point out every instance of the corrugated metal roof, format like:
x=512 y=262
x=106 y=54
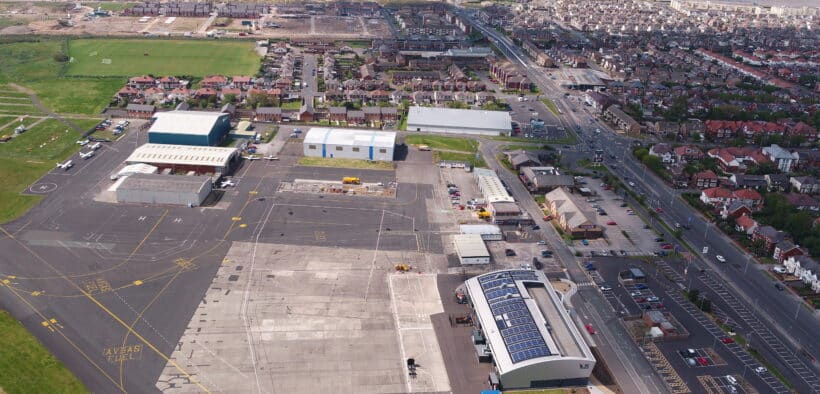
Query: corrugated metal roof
x=459 y=118
x=164 y=183
x=182 y=155
x=479 y=229
x=491 y=186
x=185 y=122
x=350 y=137
x=470 y=245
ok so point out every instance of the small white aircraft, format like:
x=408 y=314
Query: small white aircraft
x=252 y=157
x=95 y=146
x=227 y=183
x=271 y=158
x=86 y=155
x=82 y=142
x=65 y=165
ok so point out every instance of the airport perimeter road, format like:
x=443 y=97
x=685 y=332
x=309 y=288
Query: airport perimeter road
x=630 y=368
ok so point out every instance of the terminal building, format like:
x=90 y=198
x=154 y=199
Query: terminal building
x=533 y=341
x=350 y=144
x=186 y=158
x=458 y=121
x=189 y=128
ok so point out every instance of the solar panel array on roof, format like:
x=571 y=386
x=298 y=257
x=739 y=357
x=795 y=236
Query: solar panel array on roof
x=514 y=320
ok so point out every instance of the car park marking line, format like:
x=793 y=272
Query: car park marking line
x=105 y=309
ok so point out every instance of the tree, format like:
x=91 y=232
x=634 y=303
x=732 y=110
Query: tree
x=693 y=295
x=678 y=111
x=229 y=98
x=763 y=169
x=457 y=104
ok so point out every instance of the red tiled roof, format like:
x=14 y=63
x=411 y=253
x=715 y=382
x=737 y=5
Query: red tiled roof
x=717 y=192
x=745 y=222
x=747 y=194
x=707 y=174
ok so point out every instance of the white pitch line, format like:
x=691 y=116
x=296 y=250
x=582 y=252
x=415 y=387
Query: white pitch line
x=373 y=263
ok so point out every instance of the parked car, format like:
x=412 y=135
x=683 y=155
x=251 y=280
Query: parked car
x=537 y=264
x=584 y=242
x=652 y=299
x=590 y=267
x=509 y=252
x=659 y=210
x=703 y=361
x=779 y=286
x=641 y=286
x=727 y=340
x=611 y=223
x=667 y=246
x=589 y=328
x=720 y=258
x=606 y=287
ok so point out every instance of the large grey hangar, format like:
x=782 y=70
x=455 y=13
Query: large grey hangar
x=350 y=144
x=458 y=121
x=164 y=189
x=533 y=340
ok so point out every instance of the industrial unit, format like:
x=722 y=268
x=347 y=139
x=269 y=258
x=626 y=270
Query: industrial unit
x=189 y=128
x=458 y=121
x=488 y=232
x=533 y=340
x=350 y=144
x=164 y=189
x=470 y=249
x=185 y=158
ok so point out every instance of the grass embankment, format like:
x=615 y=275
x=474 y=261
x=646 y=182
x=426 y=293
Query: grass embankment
x=345 y=163
x=551 y=106
x=450 y=148
x=27 y=367
x=126 y=58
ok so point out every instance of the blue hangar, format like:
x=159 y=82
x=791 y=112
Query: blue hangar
x=189 y=128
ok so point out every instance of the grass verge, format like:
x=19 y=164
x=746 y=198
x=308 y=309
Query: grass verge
x=27 y=367
x=550 y=105
x=458 y=156
x=345 y=163
x=448 y=143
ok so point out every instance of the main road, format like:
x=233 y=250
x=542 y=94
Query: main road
x=777 y=320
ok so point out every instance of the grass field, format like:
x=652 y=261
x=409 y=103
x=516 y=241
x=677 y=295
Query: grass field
x=550 y=105
x=448 y=143
x=27 y=367
x=109 y=6
x=86 y=96
x=161 y=57
x=344 y=163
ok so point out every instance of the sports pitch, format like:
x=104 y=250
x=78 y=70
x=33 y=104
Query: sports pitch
x=126 y=58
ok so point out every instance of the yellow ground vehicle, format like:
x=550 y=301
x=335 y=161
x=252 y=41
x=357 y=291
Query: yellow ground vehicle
x=402 y=267
x=351 y=180
x=484 y=215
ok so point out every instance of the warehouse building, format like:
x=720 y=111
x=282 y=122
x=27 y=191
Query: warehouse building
x=186 y=158
x=491 y=186
x=458 y=121
x=350 y=144
x=533 y=340
x=488 y=232
x=189 y=128
x=470 y=249
x=164 y=189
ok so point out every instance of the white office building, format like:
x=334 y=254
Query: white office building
x=350 y=144
x=458 y=121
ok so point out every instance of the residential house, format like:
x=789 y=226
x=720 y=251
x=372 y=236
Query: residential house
x=735 y=209
x=569 y=216
x=777 y=182
x=745 y=181
x=337 y=114
x=372 y=114
x=169 y=82
x=745 y=224
x=716 y=196
x=128 y=93
x=803 y=202
x=706 y=179
x=662 y=151
x=545 y=179
x=140 y=111
x=805 y=184
x=785 y=249
x=142 y=82
x=598 y=101
x=242 y=82
x=769 y=236
x=355 y=117
x=621 y=120
x=214 y=82
x=268 y=114
x=523 y=158
x=687 y=153
x=390 y=114
x=784 y=159
x=804 y=268
x=749 y=197
x=664 y=128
